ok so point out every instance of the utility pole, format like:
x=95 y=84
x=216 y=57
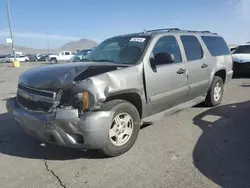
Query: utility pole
x=10 y=29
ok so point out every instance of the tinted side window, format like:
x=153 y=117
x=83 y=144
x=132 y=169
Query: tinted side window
x=66 y=53
x=216 y=45
x=168 y=44
x=192 y=47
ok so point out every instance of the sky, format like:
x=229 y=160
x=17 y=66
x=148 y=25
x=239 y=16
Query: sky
x=52 y=23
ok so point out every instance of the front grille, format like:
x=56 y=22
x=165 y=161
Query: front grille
x=43 y=93
x=33 y=105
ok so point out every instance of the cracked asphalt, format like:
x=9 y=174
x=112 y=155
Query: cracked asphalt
x=195 y=148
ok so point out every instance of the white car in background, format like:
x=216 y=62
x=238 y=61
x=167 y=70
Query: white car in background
x=241 y=59
x=61 y=56
x=3 y=58
x=19 y=58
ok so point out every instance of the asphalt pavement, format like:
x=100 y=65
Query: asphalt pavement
x=195 y=148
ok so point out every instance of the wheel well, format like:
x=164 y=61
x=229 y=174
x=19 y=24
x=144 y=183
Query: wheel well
x=222 y=74
x=133 y=98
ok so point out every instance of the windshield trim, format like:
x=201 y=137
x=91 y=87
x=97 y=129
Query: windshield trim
x=150 y=38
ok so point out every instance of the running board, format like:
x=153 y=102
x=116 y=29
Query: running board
x=173 y=110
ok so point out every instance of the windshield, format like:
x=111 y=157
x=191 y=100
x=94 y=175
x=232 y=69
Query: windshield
x=122 y=50
x=242 y=49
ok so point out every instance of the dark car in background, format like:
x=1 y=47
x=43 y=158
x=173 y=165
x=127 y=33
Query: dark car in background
x=42 y=57
x=80 y=55
x=31 y=57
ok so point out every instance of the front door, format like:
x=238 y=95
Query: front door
x=166 y=84
x=197 y=66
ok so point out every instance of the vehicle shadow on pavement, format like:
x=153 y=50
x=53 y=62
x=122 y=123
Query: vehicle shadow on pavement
x=15 y=142
x=241 y=76
x=222 y=152
x=245 y=85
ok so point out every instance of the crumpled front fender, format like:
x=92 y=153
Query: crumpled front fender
x=102 y=86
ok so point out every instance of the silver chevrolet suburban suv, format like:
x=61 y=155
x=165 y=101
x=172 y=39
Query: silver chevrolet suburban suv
x=101 y=102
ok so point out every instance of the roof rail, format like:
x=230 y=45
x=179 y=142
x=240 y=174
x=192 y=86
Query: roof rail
x=177 y=29
x=191 y=31
x=164 y=29
x=205 y=31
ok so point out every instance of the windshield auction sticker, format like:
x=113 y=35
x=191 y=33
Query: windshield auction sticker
x=137 y=39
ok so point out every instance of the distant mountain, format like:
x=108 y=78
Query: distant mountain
x=71 y=46
x=7 y=49
x=81 y=44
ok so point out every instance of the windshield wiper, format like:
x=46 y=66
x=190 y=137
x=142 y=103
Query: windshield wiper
x=104 y=60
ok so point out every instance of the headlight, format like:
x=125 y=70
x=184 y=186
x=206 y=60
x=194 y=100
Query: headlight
x=82 y=101
x=85 y=101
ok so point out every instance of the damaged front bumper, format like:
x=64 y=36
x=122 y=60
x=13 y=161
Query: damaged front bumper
x=64 y=127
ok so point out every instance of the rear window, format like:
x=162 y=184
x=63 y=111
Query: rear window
x=192 y=47
x=216 y=45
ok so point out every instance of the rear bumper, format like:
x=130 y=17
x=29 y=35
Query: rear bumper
x=241 y=68
x=64 y=127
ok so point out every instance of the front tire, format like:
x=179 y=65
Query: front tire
x=124 y=129
x=215 y=93
x=53 y=61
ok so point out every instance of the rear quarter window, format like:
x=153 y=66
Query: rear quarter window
x=216 y=45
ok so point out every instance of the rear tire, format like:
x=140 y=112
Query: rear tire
x=124 y=129
x=215 y=93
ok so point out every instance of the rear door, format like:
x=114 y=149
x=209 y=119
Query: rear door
x=197 y=66
x=166 y=85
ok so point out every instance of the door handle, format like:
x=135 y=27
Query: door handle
x=204 y=65
x=181 y=71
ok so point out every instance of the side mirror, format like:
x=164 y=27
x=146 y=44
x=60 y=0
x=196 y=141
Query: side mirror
x=163 y=58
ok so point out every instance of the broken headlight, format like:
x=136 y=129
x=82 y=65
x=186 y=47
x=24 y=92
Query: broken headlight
x=82 y=101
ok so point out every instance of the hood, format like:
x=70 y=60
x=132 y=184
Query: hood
x=62 y=76
x=241 y=58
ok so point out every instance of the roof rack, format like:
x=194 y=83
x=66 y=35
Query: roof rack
x=163 y=29
x=205 y=31
x=198 y=31
x=177 y=29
